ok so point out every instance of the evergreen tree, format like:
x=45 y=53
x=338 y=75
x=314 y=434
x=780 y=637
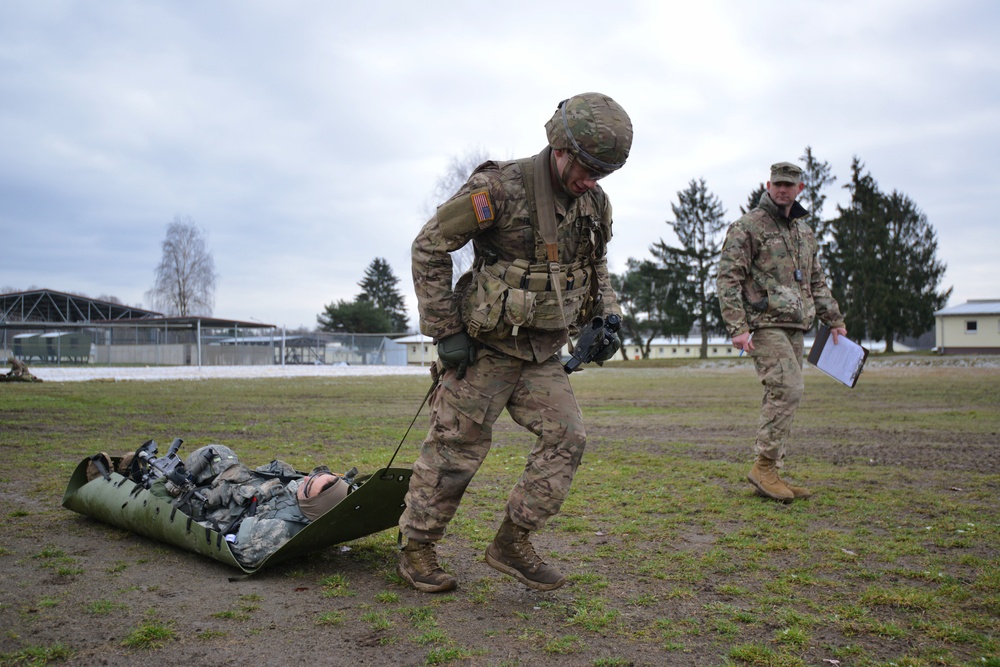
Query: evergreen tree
x=882 y=263
x=852 y=253
x=379 y=286
x=753 y=199
x=699 y=222
x=656 y=300
x=358 y=316
x=816 y=177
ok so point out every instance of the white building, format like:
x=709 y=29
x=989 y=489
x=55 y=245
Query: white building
x=971 y=328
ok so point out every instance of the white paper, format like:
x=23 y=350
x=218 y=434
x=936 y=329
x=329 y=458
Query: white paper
x=841 y=361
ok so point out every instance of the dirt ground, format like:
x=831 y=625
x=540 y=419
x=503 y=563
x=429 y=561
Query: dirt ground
x=274 y=613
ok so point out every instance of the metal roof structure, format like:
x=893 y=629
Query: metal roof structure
x=972 y=307
x=49 y=307
x=45 y=309
x=189 y=322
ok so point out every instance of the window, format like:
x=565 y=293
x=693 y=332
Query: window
x=971 y=326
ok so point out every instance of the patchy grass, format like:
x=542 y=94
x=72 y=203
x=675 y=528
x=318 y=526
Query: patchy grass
x=669 y=553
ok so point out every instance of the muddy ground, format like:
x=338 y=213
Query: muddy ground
x=56 y=564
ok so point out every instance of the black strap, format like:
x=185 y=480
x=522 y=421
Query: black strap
x=248 y=510
x=422 y=404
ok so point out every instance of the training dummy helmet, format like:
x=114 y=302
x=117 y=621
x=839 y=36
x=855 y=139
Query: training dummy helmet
x=205 y=463
x=319 y=492
x=594 y=128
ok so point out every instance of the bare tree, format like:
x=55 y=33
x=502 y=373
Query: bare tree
x=185 y=278
x=457 y=173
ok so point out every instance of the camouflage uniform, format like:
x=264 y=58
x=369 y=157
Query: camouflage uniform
x=518 y=365
x=759 y=293
x=266 y=495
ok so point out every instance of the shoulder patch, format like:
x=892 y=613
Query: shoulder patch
x=483 y=206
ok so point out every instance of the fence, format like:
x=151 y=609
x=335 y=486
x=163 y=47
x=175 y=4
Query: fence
x=164 y=346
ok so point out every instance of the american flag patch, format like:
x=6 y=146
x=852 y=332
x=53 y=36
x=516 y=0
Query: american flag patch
x=483 y=206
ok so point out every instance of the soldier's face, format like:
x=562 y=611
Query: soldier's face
x=579 y=179
x=784 y=193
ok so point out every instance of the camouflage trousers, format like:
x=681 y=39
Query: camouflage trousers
x=777 y=355
x=538 y=396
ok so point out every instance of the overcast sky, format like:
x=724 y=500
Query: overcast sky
x=306 y=138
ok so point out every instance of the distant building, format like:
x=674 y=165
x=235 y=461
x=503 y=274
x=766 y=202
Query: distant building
x=681 y=348
x=421 y=350
x=971 y=328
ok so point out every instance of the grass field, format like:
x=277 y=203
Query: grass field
x=672 y=558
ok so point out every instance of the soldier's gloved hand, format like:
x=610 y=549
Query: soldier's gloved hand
x=457 y=351
x=612 y=343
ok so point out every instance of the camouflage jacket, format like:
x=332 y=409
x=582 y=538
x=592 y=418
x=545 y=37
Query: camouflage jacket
x=756 y=282
x=492 y=210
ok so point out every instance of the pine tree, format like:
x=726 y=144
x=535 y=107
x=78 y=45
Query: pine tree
x=358 y=316
x=816 y=177
x=851 y=254
x=379 y=286
x=698 y=225
x=753 y=199
x=882 y=263
x=656 y=300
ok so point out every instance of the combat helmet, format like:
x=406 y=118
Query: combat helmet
x=205 y=463
x=594 y=129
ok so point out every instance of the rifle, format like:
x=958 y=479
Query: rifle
x=147 y=468
x=592 y=341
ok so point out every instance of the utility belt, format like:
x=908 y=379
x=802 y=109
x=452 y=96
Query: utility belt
x=505 y=296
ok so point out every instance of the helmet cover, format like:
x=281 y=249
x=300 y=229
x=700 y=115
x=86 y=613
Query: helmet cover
x=205 y=463
x=594 y=128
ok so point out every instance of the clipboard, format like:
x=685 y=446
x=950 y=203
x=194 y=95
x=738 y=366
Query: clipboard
x=843 y=361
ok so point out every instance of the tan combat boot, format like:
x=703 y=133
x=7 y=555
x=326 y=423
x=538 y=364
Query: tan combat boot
x=512 y=553
x=418 y=564
x=764 y=476
x=800 y=492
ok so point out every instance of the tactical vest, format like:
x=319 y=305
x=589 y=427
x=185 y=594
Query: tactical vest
x=536 y=295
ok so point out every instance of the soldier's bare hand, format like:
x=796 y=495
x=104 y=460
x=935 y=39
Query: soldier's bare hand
x=743 y=342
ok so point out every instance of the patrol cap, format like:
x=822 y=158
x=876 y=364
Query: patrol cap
x=786 y=172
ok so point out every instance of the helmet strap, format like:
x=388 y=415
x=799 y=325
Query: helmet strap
x=563 y=177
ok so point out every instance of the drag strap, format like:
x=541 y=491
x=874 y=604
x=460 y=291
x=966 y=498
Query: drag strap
x=430 y=391
x=545 y=206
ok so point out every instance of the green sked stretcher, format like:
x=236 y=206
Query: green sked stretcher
x=375 y=506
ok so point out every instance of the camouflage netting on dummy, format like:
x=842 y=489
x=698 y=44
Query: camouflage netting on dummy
x=248 y=519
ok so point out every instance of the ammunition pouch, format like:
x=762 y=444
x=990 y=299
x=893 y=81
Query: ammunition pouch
x=505 y=296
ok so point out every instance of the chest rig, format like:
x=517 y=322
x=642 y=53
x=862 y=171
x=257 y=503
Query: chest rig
x=539 y=293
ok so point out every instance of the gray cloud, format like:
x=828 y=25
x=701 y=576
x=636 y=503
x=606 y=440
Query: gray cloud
x=306 y=137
